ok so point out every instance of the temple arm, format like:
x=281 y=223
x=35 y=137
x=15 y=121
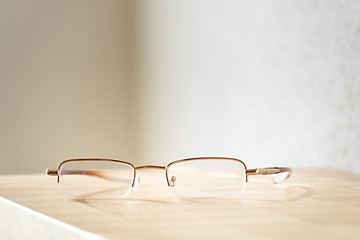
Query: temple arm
x=280 y=173
x=100 y=174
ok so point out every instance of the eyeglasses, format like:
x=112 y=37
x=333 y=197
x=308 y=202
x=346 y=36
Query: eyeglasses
x=193 y=177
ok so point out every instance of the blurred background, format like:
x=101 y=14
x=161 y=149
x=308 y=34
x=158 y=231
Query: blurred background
x=274 y=83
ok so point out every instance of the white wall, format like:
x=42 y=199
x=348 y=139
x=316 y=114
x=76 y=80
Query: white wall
x=151 y=81
x=270 y=82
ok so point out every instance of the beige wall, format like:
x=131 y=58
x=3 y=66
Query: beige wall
x=269 y=82
x=65 y=83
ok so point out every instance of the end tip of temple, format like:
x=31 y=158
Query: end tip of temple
x=282 y=174
x=280 y=177
x=51 y=172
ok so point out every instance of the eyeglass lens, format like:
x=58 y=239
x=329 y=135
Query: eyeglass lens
x=208 y=177
x=96 y=179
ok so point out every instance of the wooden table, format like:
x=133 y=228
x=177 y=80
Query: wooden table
x=316 y=203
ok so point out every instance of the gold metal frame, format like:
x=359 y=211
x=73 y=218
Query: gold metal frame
x=255 y=171
x=199 y=158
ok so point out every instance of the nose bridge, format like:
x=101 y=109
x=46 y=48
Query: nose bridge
x=151 y=167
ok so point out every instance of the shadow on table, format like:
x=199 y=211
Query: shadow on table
x=255 y=194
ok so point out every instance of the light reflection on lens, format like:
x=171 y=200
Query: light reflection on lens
x=207 y=177
x=96 y=179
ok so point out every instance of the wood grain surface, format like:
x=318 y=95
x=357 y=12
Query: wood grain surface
x=316 y=203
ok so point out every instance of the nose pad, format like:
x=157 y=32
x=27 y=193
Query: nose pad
x=137 y=179
x=172 y=183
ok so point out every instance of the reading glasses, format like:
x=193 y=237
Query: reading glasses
x=192 y=177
